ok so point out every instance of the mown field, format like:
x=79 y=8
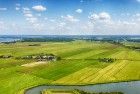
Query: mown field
x=79 y=65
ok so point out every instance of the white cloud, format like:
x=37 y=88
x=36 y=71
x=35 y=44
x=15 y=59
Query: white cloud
x=52 y=20
x=104 y=16
x=26 y=9
x=3 y=9
x=38 y=14
x=32 y=19
x=70 y=18
x=104 y=24
x=1 y=24
x=39 y=8
x=28 y=15
x=45 y=18
x=100 y=16
x=93 y=17
x=98 y=23
x=79 y=10
x=17 y=8
x=136 y=15
x=87 y=28
x=62 y=24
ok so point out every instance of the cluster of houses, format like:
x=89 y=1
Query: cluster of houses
x=42 y=57
x=5 y=56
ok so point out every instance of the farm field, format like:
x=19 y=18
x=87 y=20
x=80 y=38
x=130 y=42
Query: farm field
x=79 y=64
x=132 y=44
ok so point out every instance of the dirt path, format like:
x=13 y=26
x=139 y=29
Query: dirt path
x=34 y=64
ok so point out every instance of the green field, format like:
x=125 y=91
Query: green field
x=79 y=65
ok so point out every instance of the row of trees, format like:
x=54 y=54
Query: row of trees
x=106 y=60
x=121 y=44
x=5 y=56
x=47 y=39
x=34 y=45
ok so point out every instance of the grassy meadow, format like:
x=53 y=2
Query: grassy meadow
x=79 y=64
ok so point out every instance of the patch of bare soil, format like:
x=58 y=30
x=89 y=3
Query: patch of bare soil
x=34 y=64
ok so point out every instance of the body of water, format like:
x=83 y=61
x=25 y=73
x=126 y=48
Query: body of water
x=132 y=87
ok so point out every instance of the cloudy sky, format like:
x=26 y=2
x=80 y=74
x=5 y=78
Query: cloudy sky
x=70 y=17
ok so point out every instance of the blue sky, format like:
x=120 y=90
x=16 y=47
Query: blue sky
x=70 y=17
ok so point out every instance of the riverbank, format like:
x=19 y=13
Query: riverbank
x=125 y=87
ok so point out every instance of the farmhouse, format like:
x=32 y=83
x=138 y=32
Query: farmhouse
x=48 y=58
x=42 y=57
x=5 y=56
